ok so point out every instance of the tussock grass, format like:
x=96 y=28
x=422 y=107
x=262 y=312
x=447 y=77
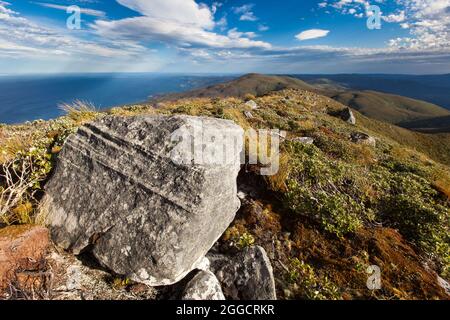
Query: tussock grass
x=80 y=111
x=13 y=145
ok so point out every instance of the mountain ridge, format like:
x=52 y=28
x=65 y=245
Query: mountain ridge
x=382 y=106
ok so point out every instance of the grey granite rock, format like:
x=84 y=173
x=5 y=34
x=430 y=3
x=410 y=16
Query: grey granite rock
x=118 y=192
x=304 y=140
x=248 y=275
x=248 y=115
x=363 y=138
x=444 y=285
x=204 y=286
x=348 y=116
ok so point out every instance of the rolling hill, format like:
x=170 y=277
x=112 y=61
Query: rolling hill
x=390 y=108
x=433 y=125
x=393 y=109
x=250 y=84
x=431 y=88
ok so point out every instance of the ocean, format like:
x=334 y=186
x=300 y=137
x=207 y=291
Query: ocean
x=28 y=98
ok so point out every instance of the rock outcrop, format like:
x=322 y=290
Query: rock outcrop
x=129 y=190
x=204 y=286
x=21 y=249
x=348 y=116
x=248 y=115
x=304 y=140
x=363 y=138
x=247 y=275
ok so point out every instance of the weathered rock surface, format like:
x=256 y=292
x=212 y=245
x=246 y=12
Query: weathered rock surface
x=444 y=285
x=73 y=279
x=247 y=275
x=117 y=191
x=304 y=140
x=21 y=249
x=204 y=286
x=248 y=115
x=348 y=116
x=363 y=138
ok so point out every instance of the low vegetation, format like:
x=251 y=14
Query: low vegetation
x=334 y=190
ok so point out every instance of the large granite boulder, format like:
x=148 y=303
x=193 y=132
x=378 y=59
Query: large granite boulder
x=247 y=275
x=131 y=191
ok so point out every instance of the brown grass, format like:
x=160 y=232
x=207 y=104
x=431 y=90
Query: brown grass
x=441 y=181
x=278 y=182
x=9 y=147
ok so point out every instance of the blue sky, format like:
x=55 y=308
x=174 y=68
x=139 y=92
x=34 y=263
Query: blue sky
x=225 y=36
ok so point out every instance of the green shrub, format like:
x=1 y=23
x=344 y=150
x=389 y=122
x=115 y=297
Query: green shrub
x=245 y=240
x=323 y=189
x=414 y=207
x=309 y=285
x=20 y=180
x=23 y=172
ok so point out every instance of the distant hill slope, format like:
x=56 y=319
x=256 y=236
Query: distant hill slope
x=433 y=125
x=254 y=84
x=431 y=88
x=390 y=108
x=377 y=105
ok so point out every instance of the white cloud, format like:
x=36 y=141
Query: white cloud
x=245 y=12
x=183 y=12
x=86 y=11
x=263 y=27
x=395 y=17
x=427 y=20
x=22 y=37
x=182 y=23
x=312 y=34
x=199 y=37
x=235 y=34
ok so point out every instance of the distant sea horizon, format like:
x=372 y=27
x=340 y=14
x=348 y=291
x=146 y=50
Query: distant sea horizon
x=38 y=96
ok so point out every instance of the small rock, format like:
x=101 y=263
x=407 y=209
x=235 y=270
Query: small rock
x=304 y=140
x=248 y=115
x=348 y=116
x=363 y=138
x=21 y=248
x=204 y=286
x=252 y=104
x=242 y=195
x=247 y=275
x=73 y=278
